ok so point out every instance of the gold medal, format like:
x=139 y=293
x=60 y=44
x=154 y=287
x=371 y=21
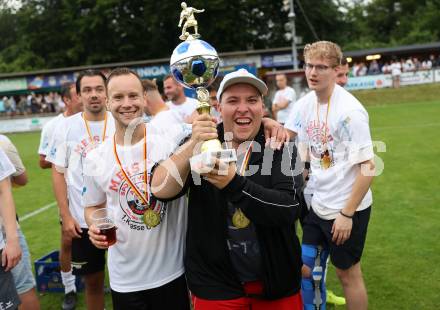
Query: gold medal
x=151 y=218
x=326 y=160
x=240 y=220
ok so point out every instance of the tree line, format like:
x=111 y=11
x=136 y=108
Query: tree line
x=44 y=34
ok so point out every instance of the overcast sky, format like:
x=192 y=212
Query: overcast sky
x=10 y=3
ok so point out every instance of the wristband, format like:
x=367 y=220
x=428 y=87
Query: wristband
x=345 y=215
x=307 y=165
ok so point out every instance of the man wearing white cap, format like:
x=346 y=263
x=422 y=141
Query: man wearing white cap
x=241 y=248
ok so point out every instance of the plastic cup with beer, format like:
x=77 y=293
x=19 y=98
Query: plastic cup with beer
x=104 y=220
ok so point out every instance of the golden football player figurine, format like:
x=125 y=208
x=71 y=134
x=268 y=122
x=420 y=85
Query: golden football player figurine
x=188 y=14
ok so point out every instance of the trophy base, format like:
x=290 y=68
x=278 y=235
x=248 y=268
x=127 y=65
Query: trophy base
x=204 y=162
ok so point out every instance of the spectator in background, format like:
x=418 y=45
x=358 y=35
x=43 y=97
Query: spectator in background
x=21 y=106
x=427 y=64
x=433 y=60
x=7 y=105
x=396 y=71
x=342 y=74
x=2 y=107
x=408 y=65
x=50 y=102
x=154 y=103
x=374 y=68
x=35 y=105
x=417 y=64
x=283 y=100
x=213 y=98
x=362 y=69
x=355 y=69
x=40 y=102
x=386 y=68
x=177 y=100
x=29 y=102
x=59 y=103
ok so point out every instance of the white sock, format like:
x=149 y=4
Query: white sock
x=68 y=281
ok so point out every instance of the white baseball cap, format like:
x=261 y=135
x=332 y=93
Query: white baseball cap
x=241 y=76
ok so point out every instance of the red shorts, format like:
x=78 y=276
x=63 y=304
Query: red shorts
x=293 y=302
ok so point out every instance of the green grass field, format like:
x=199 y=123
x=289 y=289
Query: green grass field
x=402 y=252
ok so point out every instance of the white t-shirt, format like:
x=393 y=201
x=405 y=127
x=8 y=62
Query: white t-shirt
x=427 y=64
x=143 y=257
x=349 y=143
x=6 y=170
x=396 y=69
x=172 y=124
x=288 y=93
x=293 y=123
x=47 y=133
x=69 y=148
x=12 y=153
x=185 y=109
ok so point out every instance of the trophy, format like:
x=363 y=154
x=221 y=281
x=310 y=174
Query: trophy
x=194 y=64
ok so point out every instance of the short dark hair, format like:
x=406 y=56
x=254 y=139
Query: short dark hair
x=88 y=72
x=65 y=90
x=149 y=85
x=216 y=84
x=122 y=71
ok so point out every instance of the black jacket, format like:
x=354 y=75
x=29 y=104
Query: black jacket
x=268 y=198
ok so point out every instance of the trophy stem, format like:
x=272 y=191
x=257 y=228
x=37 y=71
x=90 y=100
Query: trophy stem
x=203 y=97
x=204 y=107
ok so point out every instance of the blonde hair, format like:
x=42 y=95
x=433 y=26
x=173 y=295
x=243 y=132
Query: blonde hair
x=324 y=49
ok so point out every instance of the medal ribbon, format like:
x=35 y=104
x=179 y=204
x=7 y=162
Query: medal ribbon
x=145 y=198
x=240 y=220
x=245 y=162
x=88 y=128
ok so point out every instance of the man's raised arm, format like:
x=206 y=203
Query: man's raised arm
x=170 y=175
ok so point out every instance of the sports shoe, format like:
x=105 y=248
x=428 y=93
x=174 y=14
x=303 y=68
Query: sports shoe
x=335 y=300
x=69 y=302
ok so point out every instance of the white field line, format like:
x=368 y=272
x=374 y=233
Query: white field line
x=38 y=211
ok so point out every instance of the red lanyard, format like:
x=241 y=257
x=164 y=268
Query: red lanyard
x=245 y=162
x=145 y=198
x=88 y=128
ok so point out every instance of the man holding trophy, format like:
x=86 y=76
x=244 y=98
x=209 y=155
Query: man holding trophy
x=241 y=247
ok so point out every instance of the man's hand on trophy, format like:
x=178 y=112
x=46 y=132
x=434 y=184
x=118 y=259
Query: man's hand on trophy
x=276 y=135
x=203 y=128
x=222 y=173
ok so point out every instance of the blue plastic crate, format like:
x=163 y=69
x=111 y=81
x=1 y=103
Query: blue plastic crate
x=48 y=274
